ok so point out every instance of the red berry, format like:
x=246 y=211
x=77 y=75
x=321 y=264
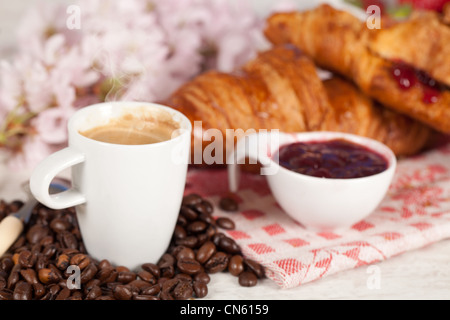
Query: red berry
x=431 y=95
x=404 y=75
x=436 y=5
x=367 y=3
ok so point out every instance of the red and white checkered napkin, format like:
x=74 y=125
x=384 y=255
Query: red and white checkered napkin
x=415 y=213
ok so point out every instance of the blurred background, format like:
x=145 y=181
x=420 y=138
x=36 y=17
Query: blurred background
x=11 y=13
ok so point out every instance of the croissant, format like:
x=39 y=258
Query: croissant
x=405 y=65
x=354 y=112
x=280 y=89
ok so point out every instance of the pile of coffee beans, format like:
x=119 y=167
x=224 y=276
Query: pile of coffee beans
x=39 y=265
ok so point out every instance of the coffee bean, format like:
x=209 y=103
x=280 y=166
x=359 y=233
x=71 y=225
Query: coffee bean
x=6 y=264
x=6 y=294
x=49 y=250
x=185 y=253
x=62 y=262
x=189 y=213
x=248 y=279
x=203 y=208
x=147 y=276
x=16 y=205
x=191 y=199
x=145 y=297
x=39 y=290
x=22 y=291
x=200 y=289
x=216 y=238
x=36 y=233
x=44 y=214
x=201 y=239
x=18 y=244
x=181 y=221
x=225 y=223
x=122 y=269
x=166 y=260
x=94 y=293
x=104 y=263
x=207 y=218
x=254 y=267
x=13 y=276
x=15 y=257
x=139 y=284
x=90 y=284
x=183 y=276
x=47 y=275
x=45 y=241
x=228 y=204
x=152 y=290
x=107 y=274
x=41 y=262
x=59 y=225
x=205 y=252
x=26 y=259
x=202 y=277
x=189 y=266
x=167 y=289
x=68 y=240
x=152 y=268
x=126 y=277
x=53 y=291
x=168 y=272
x=166 y=295
x=81 y=260
x=88 y=273
x=208 y=206
x=105 y=298
x=189 y=241
x=229 y=245
x=236 y=265
x=179 y=232
x=183 y=290
x=2 y=283
x=29 y=275
x=122 y=292
x=217 y=263
x=196 y=227
x=63 y=294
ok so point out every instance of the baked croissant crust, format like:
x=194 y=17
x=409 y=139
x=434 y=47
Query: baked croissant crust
x=354 y=112
x=404 y=66
x=280 y=89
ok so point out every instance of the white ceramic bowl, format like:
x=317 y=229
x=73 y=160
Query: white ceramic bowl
x=317 y=203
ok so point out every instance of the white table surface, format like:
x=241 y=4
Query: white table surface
x=418 y=274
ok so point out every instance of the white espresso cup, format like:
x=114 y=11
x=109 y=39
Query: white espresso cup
x=127 y=197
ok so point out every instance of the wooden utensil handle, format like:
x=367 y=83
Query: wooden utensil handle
x=10 y=229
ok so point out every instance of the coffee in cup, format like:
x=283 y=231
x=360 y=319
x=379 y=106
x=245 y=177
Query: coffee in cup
x=131 y=129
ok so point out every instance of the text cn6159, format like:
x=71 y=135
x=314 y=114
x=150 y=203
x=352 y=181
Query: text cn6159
x=246 y=309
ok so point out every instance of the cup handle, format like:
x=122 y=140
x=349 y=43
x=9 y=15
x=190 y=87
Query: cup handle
x=257 y=146
x=47 y=170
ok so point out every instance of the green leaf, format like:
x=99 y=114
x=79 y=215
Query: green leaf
x=357 y=3
x=400 y=12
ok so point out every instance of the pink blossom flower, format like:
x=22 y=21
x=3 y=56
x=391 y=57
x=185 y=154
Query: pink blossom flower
x=34 y=150
x=51 y=125
x=133 y=50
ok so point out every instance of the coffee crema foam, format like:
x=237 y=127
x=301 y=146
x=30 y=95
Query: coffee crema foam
x=130 y=129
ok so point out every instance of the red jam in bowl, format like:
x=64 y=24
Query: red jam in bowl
x=335 y=159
